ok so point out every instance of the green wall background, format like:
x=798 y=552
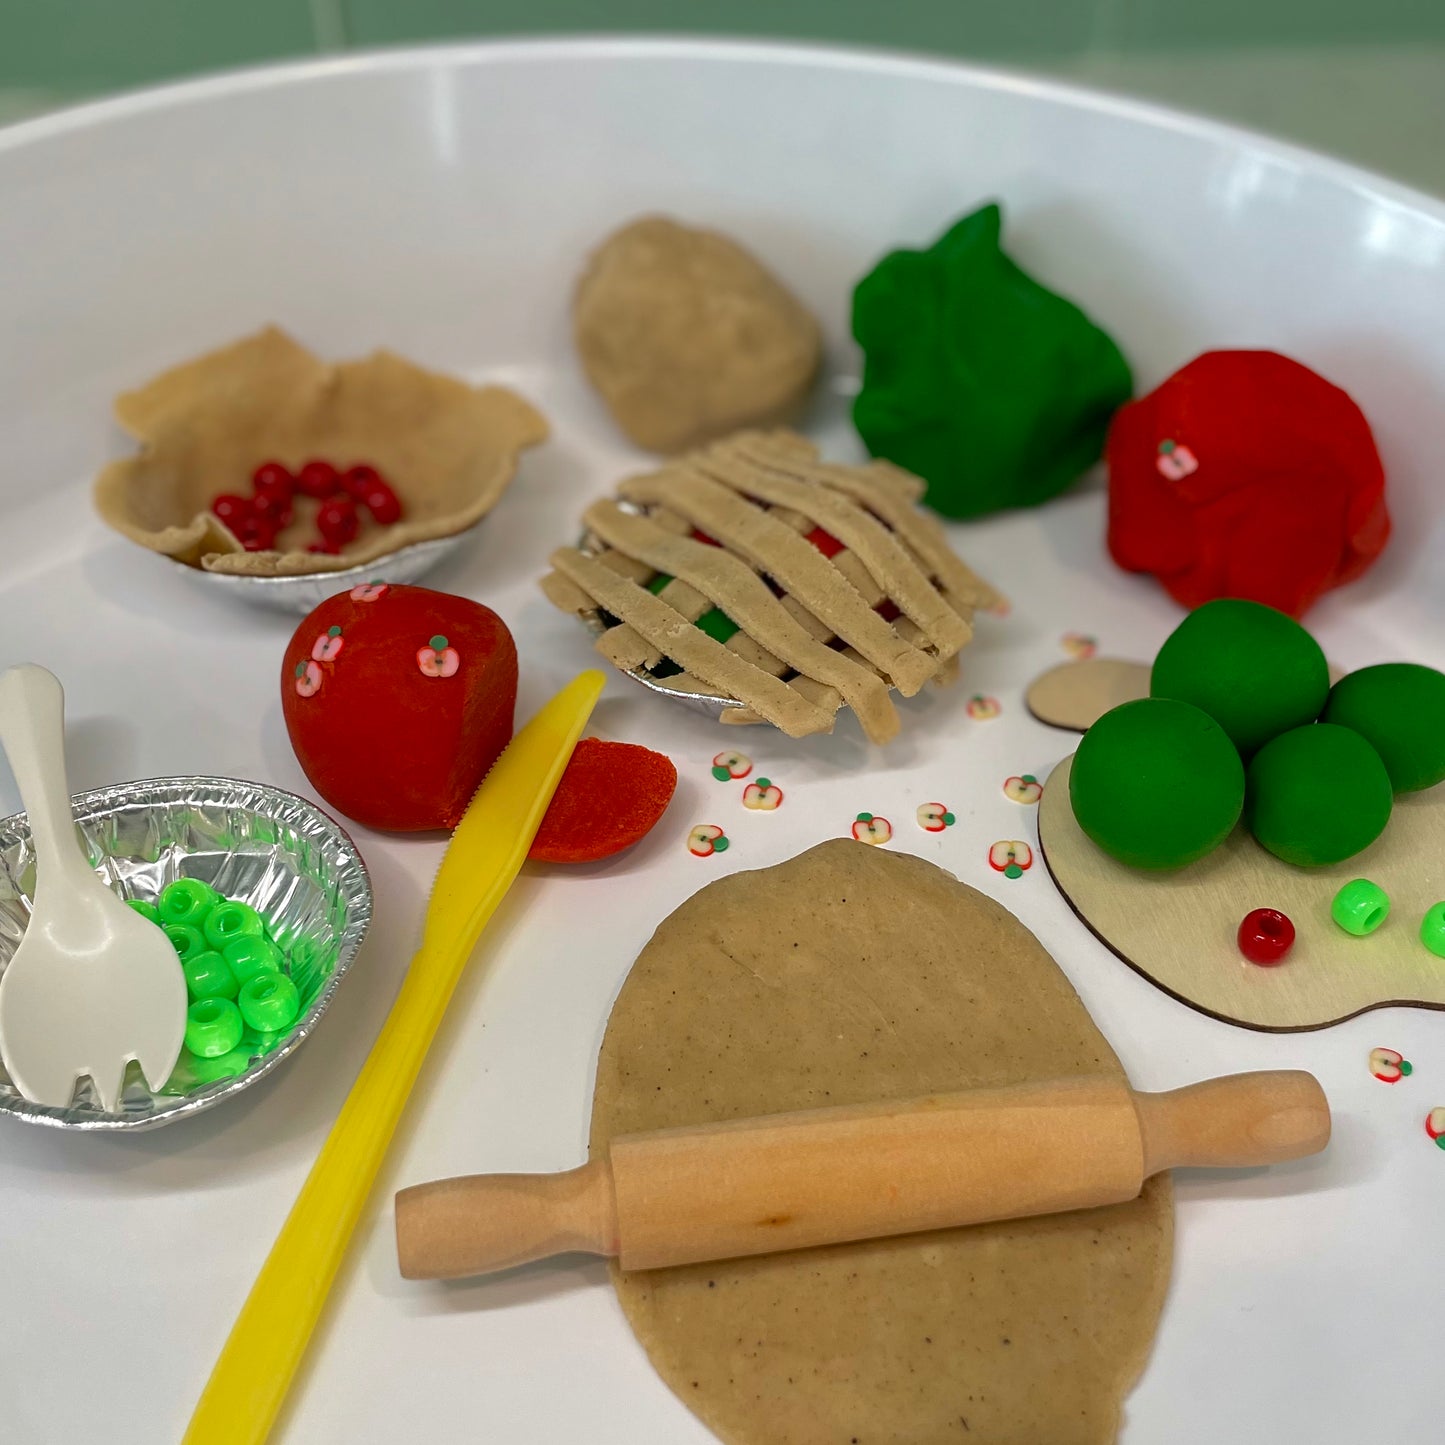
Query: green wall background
x=74 y=45
x=1362 y=78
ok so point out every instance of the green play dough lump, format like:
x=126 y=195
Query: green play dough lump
x=1256 y=672
x=1399 y=709
x=990 y=387
x=1156 y=783
x=1317 y=794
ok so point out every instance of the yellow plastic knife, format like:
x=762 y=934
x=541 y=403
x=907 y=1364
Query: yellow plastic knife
x=485 y=854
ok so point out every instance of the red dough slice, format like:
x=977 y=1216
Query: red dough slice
x=1246 y=474
x=609 y=798
x=397 y=700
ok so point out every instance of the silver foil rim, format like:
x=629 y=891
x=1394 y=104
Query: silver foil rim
x=297 y=862
x=307 y=590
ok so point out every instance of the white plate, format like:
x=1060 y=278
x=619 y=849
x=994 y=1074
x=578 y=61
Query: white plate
x=439 y=203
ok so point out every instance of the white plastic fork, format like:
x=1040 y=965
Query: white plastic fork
x=92 y=985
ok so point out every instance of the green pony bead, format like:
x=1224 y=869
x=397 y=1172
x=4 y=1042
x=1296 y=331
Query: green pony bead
x=1317 y=795
x=1432 y=931
x=186 y=940
x=187 y=901
x=252 y=954
x=1156 y=784
x=1360 y=907
x=269 y=1002
x=146 y=909
x=228 y=921
x=1255 y=671
x=208 y=975
x=1399 y=709
x=213 y=1027
x=995 y=390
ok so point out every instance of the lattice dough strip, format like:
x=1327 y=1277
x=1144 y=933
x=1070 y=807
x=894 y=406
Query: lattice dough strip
x=895 y=507
x=745 y=646
x=626 y=649
x=687 y=599
x=740 y=642
x=844 y=560
x=963 y=590
x=919 y=532
x=893 y=569
x=795 y=609
x=734 y=587
x=795 y=563
x=753 y=651
x=676 y=637
x=813 y=691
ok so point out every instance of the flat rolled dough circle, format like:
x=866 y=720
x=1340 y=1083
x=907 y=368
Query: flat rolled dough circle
x=850 y=975
x=1179 y=928
x=1075 y=695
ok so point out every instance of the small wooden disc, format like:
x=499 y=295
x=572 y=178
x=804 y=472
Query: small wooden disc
x=1178 y=929
x=1075 y=695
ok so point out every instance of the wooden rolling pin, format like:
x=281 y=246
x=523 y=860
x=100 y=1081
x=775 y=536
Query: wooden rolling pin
x=823 y=1176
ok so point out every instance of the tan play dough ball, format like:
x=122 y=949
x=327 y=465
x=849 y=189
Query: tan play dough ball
x=688 y=337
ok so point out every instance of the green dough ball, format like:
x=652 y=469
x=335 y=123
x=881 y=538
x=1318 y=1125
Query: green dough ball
x=1156 y=783
x=990 y=387
x=1399 y=709
x=1317 y=794
x=1256 y=672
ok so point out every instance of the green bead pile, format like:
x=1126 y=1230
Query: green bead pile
x=242 y=1001
x=1319 y=765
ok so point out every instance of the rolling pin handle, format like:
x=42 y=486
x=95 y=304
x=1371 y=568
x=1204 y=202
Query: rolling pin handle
x=453 y=1228
x=1239 y=1121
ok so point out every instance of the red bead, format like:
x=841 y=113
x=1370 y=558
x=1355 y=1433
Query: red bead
x=358 y=480
x=1266 y=936
x=259 y=536
x=336 y=521
x=825 y=542
x=273 y=478
x=272 y=508
x=317 y=479
x=383 y=504
x=234 y=511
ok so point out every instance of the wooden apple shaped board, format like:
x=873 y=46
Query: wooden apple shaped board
x=1178 y=929
x=849 y=975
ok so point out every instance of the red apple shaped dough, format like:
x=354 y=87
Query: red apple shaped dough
x=609 y=798
x=398 y=716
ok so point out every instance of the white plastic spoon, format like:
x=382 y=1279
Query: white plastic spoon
x=92 y=984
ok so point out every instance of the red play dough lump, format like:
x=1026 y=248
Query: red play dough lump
x=1245 y=474
x=397 y=700
x=609 y=798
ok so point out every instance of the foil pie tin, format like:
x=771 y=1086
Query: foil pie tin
x=299 y=594
x=252 y=842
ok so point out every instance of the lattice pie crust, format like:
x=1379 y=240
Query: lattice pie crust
x=754 y=572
